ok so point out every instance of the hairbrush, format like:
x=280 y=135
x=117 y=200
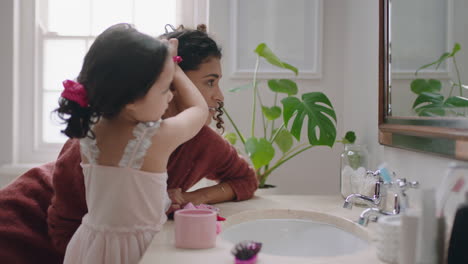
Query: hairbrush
x=246 y=252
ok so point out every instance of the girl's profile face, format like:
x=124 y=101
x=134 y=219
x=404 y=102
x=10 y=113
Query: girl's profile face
x=153 y=105
x=206 y=79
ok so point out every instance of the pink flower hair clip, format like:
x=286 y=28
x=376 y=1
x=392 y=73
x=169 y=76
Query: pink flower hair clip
x=75 y=92
x=177 y=59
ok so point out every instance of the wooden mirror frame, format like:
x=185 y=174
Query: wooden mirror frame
x=444 y=137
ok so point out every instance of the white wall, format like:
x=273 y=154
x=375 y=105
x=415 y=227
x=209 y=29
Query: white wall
x=7 y=94
x=316 y=170
x=360 y=90
x=6 y=77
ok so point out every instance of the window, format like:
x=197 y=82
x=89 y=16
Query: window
x=53 y=38
x=66 y=31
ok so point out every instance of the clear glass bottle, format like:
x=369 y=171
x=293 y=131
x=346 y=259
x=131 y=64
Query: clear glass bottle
x=353 y=170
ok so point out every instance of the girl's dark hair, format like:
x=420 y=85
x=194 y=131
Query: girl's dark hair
x=195 y=46
x=119 y=68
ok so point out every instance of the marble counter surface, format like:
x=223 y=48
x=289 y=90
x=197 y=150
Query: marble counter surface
x=329 y=208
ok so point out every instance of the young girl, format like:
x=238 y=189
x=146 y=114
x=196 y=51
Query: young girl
x=115 y=107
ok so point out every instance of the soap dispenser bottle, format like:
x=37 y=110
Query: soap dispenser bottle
x=426 y=248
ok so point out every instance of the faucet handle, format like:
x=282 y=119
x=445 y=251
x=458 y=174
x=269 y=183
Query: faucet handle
x=401 y=203
x=373 y=173
x=403 y=184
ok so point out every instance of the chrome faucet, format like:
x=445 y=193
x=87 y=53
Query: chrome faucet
x=400 y=203
x=378 y=200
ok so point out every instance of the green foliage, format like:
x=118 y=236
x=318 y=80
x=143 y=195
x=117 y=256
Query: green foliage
x=314 y=109
x=271 y=113
x=264 y=51
x=354 y=158
x=430 y=100
x=231 y=137
x=283 y=86
x=349 y=138
x=318 y=109
x=260 y=151
x=284 y=140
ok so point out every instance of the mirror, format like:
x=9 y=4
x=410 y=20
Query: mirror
x=423 y=76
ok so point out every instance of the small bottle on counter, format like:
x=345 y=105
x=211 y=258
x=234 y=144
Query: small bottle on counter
x=408 y=236
x=354 y=177
x=427 y=248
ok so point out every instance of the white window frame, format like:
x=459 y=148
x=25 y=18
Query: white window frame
x=28 y=149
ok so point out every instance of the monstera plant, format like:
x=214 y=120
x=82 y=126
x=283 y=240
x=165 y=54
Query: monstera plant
x=278 y=142
x=430 y=100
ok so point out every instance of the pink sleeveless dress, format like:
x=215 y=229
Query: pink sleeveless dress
x=126 y=206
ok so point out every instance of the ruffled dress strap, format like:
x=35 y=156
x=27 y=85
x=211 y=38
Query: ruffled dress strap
x=89 y=149
x=135 y=151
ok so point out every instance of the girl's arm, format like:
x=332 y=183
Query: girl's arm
x=209 y=155
x=185 y=125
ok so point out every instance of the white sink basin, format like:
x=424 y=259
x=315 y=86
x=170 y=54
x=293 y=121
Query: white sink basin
x=298 y=237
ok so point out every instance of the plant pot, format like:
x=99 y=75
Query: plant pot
x=354 y=165
x=268 y=189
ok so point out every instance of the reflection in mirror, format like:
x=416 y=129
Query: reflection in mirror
x=423 y=72
x=429 y=59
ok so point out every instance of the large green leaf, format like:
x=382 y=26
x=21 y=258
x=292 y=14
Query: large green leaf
x=284 y=140
x=429 y=98
x=456 y=48
x=231 y=137
x=264 y=51
x=260 y=151
x=349 y=138
x=434 y=104
x=438 y=62
x=431 y=110
x=456 y=101
x=429 y=104
x=446 y=55
x=271 y=113
x=290 y=67
x=283 y=86
x=419 y=86
x=317 y=107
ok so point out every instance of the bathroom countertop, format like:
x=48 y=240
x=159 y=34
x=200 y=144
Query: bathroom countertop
x=328 y=208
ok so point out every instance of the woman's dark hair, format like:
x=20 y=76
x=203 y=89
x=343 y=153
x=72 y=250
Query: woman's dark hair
x=119 y=68
x=218 y=117
x=195 y=48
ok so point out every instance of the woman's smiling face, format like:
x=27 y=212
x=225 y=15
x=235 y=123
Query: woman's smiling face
x=206 y=79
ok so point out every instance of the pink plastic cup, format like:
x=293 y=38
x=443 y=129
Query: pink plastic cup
x=195 y=228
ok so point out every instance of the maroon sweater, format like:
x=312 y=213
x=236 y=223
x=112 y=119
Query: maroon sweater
x=23 y=215
x=206 y=155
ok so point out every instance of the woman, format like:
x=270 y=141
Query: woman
x=207 y=155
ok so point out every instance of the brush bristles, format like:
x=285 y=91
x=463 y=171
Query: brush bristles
x=246 y=250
